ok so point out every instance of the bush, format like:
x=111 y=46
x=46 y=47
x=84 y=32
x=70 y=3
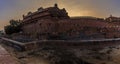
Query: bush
x=14 y=27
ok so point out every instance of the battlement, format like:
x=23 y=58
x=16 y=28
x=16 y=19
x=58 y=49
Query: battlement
x=47 y=13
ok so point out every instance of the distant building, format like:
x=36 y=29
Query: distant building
x=113 y=19
x=55 y=22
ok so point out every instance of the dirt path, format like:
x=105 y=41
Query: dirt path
x=6 y=58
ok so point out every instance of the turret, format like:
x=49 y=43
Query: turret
x=56 y=5
x=23 y=16
x=40 y=9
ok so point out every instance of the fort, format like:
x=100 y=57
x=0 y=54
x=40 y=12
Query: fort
x=52 y=28
x=54 y=23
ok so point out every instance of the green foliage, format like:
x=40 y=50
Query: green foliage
x=14 y=27
x=14 y=22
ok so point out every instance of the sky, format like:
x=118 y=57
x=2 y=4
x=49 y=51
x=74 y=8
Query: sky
x=14 y=9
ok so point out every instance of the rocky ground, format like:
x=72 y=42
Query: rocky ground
x=58 y=55
x=46 y=55
x=107 y=55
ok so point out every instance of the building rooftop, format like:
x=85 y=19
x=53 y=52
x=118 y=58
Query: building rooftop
x=86 y=17
x=41 y=9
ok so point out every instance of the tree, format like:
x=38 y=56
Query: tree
x=15 y=22
x=14 y=27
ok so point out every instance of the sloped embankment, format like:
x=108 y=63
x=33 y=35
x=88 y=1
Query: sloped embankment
x=58 y=55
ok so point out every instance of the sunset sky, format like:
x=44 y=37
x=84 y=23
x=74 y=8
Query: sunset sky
x=14 y=9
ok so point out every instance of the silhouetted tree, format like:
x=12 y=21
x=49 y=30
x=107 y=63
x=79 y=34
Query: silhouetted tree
x=14 y=27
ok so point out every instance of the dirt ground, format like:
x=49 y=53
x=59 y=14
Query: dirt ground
x=23 y=58
x=107 y=55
